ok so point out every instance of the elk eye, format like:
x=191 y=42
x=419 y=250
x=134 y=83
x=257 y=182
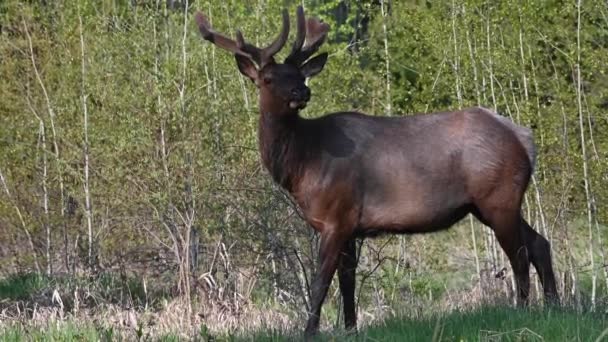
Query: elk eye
x=267 y=80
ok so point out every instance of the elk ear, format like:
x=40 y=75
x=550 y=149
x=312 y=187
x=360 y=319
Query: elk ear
x=247 y=68
x=314 y=66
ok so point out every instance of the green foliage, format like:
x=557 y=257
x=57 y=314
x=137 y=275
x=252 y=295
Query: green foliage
x=104 y=288
x=426 y=286
x=22 y=286
x=204 y=334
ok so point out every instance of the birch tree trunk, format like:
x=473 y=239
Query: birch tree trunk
x=86 y=184
x=583 y=140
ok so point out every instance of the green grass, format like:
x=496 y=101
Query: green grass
x=484 y=324
x=505 y=324
x=72 y=331
x=63 y=332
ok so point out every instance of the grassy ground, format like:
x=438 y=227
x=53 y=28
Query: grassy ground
x=483 y=324
x=504 y=324
x=25 y=299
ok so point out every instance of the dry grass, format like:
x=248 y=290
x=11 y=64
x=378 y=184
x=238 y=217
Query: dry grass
x=88 y=305
x=35 y=302
x=171 y=318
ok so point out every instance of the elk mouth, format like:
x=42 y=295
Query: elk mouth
x=297 y=104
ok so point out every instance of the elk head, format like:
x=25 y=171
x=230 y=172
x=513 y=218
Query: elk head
x=281 y=86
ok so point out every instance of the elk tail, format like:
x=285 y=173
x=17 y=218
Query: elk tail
x=524 y=135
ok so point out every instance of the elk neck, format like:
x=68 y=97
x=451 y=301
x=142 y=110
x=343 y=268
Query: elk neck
x=282 y=150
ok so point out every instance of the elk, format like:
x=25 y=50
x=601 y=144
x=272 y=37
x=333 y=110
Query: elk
x=355 y=175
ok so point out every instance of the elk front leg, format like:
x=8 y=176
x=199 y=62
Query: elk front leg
x=346 y=275
x=329 y=252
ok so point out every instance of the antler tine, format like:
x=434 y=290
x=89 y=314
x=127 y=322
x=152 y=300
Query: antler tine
x=240 y=47
x=269 y=51
x=316 y=33
x=254 y=52
x=217 y=38
x=316 y=30
x=301 y=33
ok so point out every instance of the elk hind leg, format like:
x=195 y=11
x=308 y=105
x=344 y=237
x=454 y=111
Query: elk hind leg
x=506 y=226
x=539 y=251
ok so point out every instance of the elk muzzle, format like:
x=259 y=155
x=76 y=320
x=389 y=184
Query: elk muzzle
x=299 y=97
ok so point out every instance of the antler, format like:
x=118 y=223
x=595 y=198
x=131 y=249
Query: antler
x=260 y=56
x=313 y=31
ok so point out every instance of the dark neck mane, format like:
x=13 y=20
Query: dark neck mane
x=281 y=155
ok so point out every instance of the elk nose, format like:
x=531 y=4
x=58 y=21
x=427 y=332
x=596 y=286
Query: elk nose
x=302 y=94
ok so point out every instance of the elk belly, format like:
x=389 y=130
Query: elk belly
x=417 y=207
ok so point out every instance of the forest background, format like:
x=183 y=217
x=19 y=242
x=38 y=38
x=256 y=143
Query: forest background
x=130 y=174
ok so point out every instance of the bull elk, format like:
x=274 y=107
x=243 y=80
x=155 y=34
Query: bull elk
x=356 y=176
